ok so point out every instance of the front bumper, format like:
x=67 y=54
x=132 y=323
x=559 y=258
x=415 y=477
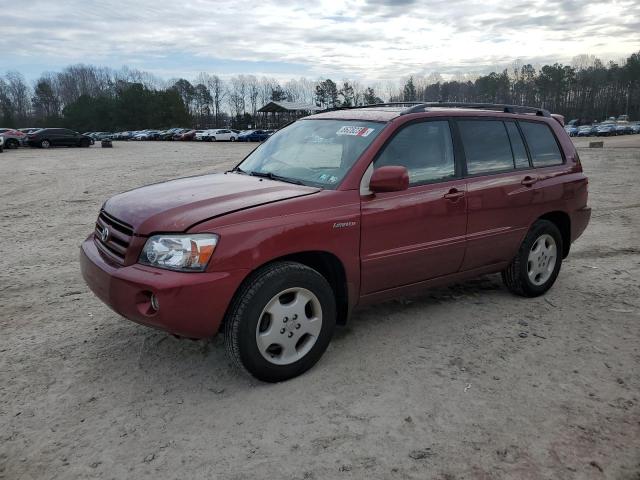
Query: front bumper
x=190 y=304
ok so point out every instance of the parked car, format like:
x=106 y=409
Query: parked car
x=623 y=129
x=57 y=137
x=571 y=130
x=253 y=136
x=29 y=130
x=172 y=133
x=635 y=128
x=12 y=138
x=200 y=134
x=185 y=135
x=220 y=134
x=606 y=130
x=587 y=131
x=147 y=135
x=336 y=210
x=126 y=135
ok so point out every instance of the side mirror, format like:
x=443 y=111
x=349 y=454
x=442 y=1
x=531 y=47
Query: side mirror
x=389 y=179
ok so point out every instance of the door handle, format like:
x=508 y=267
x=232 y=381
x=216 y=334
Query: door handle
x=454 y=194
x=529 y=181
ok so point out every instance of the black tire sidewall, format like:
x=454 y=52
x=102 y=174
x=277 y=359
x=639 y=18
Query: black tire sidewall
x=251 y=357
x=541 y=227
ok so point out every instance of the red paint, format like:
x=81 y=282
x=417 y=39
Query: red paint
x=394 y=242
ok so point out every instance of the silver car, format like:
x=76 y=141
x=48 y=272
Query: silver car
x=12 y=138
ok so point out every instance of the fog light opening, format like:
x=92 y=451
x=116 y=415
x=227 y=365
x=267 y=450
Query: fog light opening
x=155 y=303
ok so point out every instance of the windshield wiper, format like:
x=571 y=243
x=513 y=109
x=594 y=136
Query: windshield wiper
x=273 y=176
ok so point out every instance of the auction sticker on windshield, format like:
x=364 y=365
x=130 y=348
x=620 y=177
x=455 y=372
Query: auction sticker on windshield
x=355 y=131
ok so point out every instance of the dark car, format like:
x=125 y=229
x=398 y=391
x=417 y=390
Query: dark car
x=171 y=133
x=253 y=136
x=57 y=137
x=185 y=135
x=338 y=210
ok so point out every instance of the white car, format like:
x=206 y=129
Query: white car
x=220 y=134
x=201 y=135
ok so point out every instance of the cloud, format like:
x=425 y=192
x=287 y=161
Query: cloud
x=366 y=39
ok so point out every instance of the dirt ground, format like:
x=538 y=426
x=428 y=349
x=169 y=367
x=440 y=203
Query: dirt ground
x=466 y=382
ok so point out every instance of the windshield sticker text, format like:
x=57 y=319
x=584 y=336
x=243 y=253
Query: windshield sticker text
x=355 y=131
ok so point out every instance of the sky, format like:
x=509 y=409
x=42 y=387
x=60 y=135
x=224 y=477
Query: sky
x=369 y=40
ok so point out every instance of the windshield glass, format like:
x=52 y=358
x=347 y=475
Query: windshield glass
x=312 y=152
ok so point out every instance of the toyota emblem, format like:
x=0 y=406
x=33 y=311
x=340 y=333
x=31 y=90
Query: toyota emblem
x=104 y=235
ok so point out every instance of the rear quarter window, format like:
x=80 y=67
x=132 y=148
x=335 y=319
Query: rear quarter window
x=542 y=143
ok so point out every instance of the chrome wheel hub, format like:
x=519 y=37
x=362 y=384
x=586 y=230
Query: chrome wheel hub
x=289 y=326
x=542 y=259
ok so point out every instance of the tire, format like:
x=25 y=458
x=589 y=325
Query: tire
x=256 y=340
x=45 y=143
x=232 y=139
x=523 y=277
x=84 y=143
x=11 y=143
x=213 y=139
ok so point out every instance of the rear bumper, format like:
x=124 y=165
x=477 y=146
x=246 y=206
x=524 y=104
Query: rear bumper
x=579 y=221
x=190 y=304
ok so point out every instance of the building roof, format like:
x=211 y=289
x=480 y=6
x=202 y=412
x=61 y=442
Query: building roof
x=289 y=107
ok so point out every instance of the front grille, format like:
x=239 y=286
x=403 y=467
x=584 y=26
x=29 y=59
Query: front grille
x=118 y=238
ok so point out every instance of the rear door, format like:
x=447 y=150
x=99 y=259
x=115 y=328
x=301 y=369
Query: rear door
x=500 y=193
x=417 y=234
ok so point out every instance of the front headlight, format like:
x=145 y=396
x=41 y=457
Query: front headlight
x=189 y=253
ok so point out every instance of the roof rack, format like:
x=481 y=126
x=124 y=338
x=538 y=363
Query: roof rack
x=420 y=107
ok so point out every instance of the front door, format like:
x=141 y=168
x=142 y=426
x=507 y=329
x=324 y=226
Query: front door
x=419 y=233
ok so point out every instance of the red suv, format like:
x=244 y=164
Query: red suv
x=337 y=210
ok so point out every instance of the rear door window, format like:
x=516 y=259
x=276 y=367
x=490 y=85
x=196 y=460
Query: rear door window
x=542 y=144
x=486 y=146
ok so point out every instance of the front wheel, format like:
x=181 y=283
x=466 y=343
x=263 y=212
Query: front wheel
x=233 y=139
x=12 y=143
x=45 y=144
x=536 y=266
x=280 y=322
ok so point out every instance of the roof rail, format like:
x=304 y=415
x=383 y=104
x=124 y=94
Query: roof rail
x=420 y=107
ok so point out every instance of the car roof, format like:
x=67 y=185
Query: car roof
x=387 y=112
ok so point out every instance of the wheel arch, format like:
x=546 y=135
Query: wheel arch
x=561 y=220
x=325 y=263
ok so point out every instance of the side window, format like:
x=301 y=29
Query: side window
x=425 y=149
x=486 y=146
x=517 y=146
x=542 y=144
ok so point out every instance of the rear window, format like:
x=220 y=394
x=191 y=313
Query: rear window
x=486 y=146
x=542 y=144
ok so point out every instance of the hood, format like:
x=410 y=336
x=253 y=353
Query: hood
x=176 y=205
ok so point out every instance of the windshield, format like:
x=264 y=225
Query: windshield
x=312 y=152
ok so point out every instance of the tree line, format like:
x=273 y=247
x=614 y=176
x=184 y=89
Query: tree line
x=86 y=97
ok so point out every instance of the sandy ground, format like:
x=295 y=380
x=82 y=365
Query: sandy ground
x=464 y=382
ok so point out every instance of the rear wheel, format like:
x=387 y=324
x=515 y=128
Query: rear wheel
x=12 y=143
x=45 y=143
x=536 y=266
x=233 y=139
x=281 y=321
